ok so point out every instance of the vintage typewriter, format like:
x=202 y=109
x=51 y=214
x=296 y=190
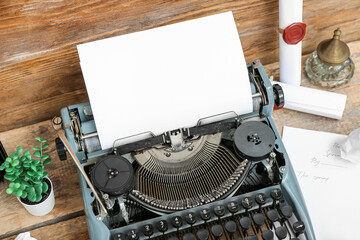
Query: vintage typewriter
x=227 y=179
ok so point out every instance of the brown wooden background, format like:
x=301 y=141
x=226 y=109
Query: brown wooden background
x=39 y=65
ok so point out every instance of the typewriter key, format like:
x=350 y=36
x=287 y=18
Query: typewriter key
x=113 y=175
x=219 y=210
x=202 y=234
x=267 y=235
x=299 y=227
x=272 y=215
x=254 y=140
x=176 y=221
x=281 y=232
x=286 y=211
x=188 y=236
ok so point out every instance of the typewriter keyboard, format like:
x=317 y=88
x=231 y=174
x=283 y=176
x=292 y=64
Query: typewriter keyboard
x=257 y=215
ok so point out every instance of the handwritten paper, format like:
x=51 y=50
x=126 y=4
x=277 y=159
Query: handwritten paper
x=165 y=78
x=330 y=185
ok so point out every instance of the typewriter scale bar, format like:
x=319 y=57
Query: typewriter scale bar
x=259 y=215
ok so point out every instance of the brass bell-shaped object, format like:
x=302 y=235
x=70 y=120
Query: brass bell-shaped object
x=333 y=51
x=330 y=64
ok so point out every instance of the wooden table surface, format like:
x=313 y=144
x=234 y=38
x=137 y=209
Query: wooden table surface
x=67 y=220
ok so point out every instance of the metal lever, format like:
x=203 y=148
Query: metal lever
x=56 y=122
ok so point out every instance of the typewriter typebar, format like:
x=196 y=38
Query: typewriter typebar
x=228 y=177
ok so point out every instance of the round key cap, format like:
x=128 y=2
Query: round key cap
x=260 y=199
x=202 y=234
x=205 y=214
x=217 y=231
x=286 y=211
x=272 y=215
x=190 y=218
x=188 y=236
x=233 y=207
x=252 y=237
x=276 y=194
x=259 y=219
x=299 y=227
x=281 y=232
x=267 y=235
x=176 y=221
x=230 y=227
x=119 y=236
x=173 y=238
x=162 y=226
x=148 y=230
x=133 y=235
x=219 y=210
x=247 y=202
x=245 y=223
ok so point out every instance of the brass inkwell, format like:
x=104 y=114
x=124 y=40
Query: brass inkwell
x=330 y=64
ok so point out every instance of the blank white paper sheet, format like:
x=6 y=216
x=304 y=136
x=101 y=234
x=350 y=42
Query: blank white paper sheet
x=329 y=184
x=165 y=78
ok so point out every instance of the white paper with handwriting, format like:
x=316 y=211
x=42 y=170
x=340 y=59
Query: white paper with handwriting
x=330 y=185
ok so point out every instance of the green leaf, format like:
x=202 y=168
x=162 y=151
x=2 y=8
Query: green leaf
x=26 y=153
x=24 y=194
x=30 y=173
x=11 y=185
x=38 y=197
x=2 y=166
x=31 y=190
x=17 y=174
x=45 y=146
x=36 y=161
x=22 y=187
x=8 y=159
x=14 y=156
x=38 y=189
x=19 y=150
x=38 y=138
x=46 y=156
x=44 y=141
x=36 y=148
x=18 y=193
x=17 y=185
x=15 y=163
x=25 y=183
x=32 y=197
x=9 y=177
x=10 y=169
x=47 y=161
x=28 y=157
x=26 y=165
x=37 y=154
x=9 y=191
x=33 y=167
x=37 y=182
x=45 y=174
x=45 y=187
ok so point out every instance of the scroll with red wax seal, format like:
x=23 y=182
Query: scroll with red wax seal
x=291 y=33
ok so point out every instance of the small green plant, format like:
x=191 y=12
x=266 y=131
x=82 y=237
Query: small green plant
x=26 y=172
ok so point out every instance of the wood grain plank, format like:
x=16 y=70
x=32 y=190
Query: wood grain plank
x=38 y=57
x=63 y=174
x=72 y=229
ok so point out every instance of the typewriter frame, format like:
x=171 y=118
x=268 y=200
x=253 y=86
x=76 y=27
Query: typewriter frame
x=263 y=100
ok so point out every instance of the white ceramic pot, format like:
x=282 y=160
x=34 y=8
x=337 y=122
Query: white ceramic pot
x=43 y=207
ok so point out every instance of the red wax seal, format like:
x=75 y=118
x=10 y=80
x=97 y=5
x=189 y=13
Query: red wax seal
x=294 y=33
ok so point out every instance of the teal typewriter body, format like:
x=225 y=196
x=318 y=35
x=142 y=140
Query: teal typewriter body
x=226 y=179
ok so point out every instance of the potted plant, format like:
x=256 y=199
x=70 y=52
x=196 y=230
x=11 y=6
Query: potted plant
x=29 y=181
